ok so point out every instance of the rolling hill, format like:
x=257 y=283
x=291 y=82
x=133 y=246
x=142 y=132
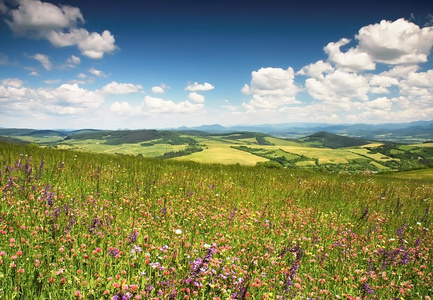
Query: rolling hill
x=333 y=141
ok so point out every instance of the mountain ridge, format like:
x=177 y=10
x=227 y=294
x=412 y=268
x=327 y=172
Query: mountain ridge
x=412 y=132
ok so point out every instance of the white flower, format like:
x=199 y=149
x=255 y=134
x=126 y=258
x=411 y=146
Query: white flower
x=178 y=231
x=207 y=246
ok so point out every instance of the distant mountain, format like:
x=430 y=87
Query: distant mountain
x=214 y=128
x=397 y=132
x=414 y=132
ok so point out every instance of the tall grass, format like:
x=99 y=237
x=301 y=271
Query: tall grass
x=90 y=226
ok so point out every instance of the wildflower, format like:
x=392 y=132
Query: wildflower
x=78 y=294
x=133 y=237
x=113 y=251
x=366 y=289
x=178 y=231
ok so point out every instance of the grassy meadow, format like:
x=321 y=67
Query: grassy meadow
x=80 y=225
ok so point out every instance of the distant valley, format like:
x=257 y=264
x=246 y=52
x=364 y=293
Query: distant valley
x=370 y=148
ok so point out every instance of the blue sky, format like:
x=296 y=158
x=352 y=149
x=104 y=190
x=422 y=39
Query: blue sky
x=159 y=64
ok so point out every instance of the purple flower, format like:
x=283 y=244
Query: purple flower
x=133 y=237
x=366 y=289
x=113 y=251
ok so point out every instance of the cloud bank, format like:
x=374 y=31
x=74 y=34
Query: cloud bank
x=347 y=86
x=58 y=25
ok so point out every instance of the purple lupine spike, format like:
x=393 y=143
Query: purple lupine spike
x=400 y=231
x=70 y=224
x=366 y=289
x=133 y=236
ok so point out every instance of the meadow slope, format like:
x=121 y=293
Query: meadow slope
x=96 y=226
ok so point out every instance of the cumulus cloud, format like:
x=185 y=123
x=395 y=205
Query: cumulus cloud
x=39 y=17
x=271 y=88
x=197 y=98
x=380 y=84
x=317 y=69
x=121 y=88
x=12 y=82
x=340 y=85
x=65 y=99
x=58 y=24
x=398 y=42
x=153 y=105
x=160 y=106
x=159 y=89
x=196 y=87
x=123 y=108
x=92 y=45
x=353 y=59
x=44 y=60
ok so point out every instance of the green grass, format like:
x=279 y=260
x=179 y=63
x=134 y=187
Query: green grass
x=81 y=225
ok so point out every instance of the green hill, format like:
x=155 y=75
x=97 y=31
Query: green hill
x=131 y=136
x=333 y=141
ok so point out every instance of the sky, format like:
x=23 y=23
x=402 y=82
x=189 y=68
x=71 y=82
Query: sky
x=153 y=64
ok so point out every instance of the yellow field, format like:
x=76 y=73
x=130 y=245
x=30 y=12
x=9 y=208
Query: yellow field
x=129 y=149
x=375 y=156
x=217 y=152
x=324 y=155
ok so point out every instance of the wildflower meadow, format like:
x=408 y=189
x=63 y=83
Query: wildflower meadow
x=76 y=225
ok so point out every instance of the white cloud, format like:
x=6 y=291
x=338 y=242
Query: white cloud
x=160 y=106
x=121 y=88
x=380 y=84
x=44 y=60
x=316 y=70
x=97 y=72
x=123 y=108
x=12 y=93
x=398 y=42
x=39 y=17
x=271 y=88
x=156 y=106
x=353 y=59
x=197 y=98
x=400 y=71
x=383 y=104
x=65 y=99
x=338 y=86
x=92 y=45
x=57 y=24
x=73 y=95
x=74 y=60
x=422 y=79
x=159 y=89
x=196 y=87
x=12 y=82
